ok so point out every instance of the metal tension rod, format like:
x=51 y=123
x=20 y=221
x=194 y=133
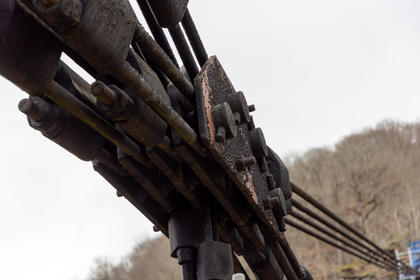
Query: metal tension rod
x=344 y=242
x=184 y=51
x=74 y=106
x=334 y=228
x=194 y=38
x=156 y=30
x=330 y=214
x=317 y=236
x=158 y=55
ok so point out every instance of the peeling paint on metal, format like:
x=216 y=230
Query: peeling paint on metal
x=207 y=107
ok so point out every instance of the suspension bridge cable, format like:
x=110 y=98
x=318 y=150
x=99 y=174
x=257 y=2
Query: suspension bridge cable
x=325 y=240
x=309 y=212
x=344 y=242
x=327 y=212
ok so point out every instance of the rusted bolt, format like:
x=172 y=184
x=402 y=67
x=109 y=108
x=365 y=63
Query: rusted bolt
x=32 y=109
x=120 y=194
x=251 y=108
x=104 y=94
x=278 y=202
x=243 y=163
x=258 y=144
x=224 y=122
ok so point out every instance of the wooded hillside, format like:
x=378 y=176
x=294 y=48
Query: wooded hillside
x=371 y=179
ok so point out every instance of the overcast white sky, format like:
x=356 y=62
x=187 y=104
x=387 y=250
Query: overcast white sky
x=316 y=71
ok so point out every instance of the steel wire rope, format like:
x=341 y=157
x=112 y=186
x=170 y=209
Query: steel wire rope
x=308 y=222
x=326 y=240
x=308 y=198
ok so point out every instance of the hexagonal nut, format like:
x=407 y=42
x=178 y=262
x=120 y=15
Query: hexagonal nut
x=258 y=144
x=239 y=105
x=277 y=196
x=223 y=117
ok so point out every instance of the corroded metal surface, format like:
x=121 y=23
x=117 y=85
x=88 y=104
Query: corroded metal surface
x=214 y=88
x=168 y=141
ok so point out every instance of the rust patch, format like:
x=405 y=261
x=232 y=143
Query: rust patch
x=207 y=107
x=247 y=178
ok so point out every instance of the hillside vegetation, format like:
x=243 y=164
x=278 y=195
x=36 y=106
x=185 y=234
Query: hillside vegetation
x=371 y=179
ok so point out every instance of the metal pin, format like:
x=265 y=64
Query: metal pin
x=249 y=161
x=242 y=164
x=30 y=109
x=103 y=93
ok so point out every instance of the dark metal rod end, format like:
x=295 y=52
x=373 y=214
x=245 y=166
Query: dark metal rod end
x=103 y=93
x=31 y=109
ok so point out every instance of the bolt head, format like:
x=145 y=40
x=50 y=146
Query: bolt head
x=237 y=102
x=223 y=117
x=258 y=144
x=244 y=163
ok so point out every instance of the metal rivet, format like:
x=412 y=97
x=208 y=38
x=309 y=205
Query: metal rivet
x=242 y=164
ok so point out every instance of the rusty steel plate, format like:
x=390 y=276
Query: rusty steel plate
x=214 y=88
